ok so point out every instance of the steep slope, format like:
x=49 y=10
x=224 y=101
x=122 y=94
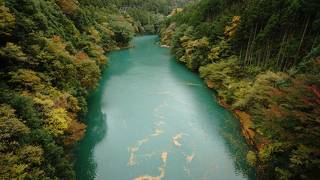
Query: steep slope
x=148 y=14
x=262 y=58
x=51 y=54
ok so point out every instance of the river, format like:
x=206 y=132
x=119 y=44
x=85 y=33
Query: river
x=151 y=118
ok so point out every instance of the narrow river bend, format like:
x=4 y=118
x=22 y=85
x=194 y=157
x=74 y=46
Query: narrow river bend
x=151 y=118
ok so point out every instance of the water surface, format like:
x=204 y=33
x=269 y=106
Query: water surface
x=153 y=118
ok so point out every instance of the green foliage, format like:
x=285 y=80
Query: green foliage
x=195 y=51
x=281 y=38
x=147 y=14
x=123 y=30
x=18 y=160
x=24 y=78
x=252 y=158
x=223 y=76
x=12 y=54
x=7 y=21
x=11 y=127
x=52 y=54
x=283 y=109
x=264 y=62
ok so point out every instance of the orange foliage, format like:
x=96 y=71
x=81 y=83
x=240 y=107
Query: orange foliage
x=276 y=111
x=58 y=42
x=56 y=38
x=60 y=103
x=246 y=124
x=263 y=142
x=276 y=92
x=75 y=131
x=223 y=103
x=210 y=84
x=82 y=56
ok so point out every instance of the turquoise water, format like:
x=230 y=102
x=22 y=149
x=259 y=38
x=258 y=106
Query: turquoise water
x=151 y=118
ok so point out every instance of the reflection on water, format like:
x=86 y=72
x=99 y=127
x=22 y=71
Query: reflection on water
x=96 y=120
x=225 y=123
x=163 y=123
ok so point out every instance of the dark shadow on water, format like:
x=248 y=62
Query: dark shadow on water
x=230 y=130
x=120 y=64
x=96 y=120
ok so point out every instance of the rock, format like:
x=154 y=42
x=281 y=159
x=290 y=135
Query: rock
x=165 y=46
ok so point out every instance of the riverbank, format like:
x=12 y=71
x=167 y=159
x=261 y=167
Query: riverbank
x=243 y=117
x=166 y=110
x=277 y=109
x=265 y=69
x=52 y=54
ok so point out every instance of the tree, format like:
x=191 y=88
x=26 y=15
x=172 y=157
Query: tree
x=7 y=21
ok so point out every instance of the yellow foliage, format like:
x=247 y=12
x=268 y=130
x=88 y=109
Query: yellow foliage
x=190 y=44
x=10 y=125
x=56 y=46
x=190 y=47
x=230 y=30
x=7 y=21
x=31 y=154
x=20 y=163
x=203 y=42
x=251 y=158
x=105 y=28
x=75 y=132
x=99 y=54
x=94 y=35
x=58 y=109
x=25 y=77
x=13 y=51
x=20 y=170
x=72 y=104
x=57 y=121
x=68 y=6
x=218 y=50
x=175 y=12
x=167 y=33
x=43 y=101
x=49 y=97
x=214 y=53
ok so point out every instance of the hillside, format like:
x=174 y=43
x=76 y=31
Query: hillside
x=52 y=54
x=263 y=60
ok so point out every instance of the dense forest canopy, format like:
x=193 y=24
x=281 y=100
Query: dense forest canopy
x=148 y=14
x=51 y=53
x=263 y=59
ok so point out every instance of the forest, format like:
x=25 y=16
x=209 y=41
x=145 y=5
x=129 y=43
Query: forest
x=52 y=53
x=262 y=58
